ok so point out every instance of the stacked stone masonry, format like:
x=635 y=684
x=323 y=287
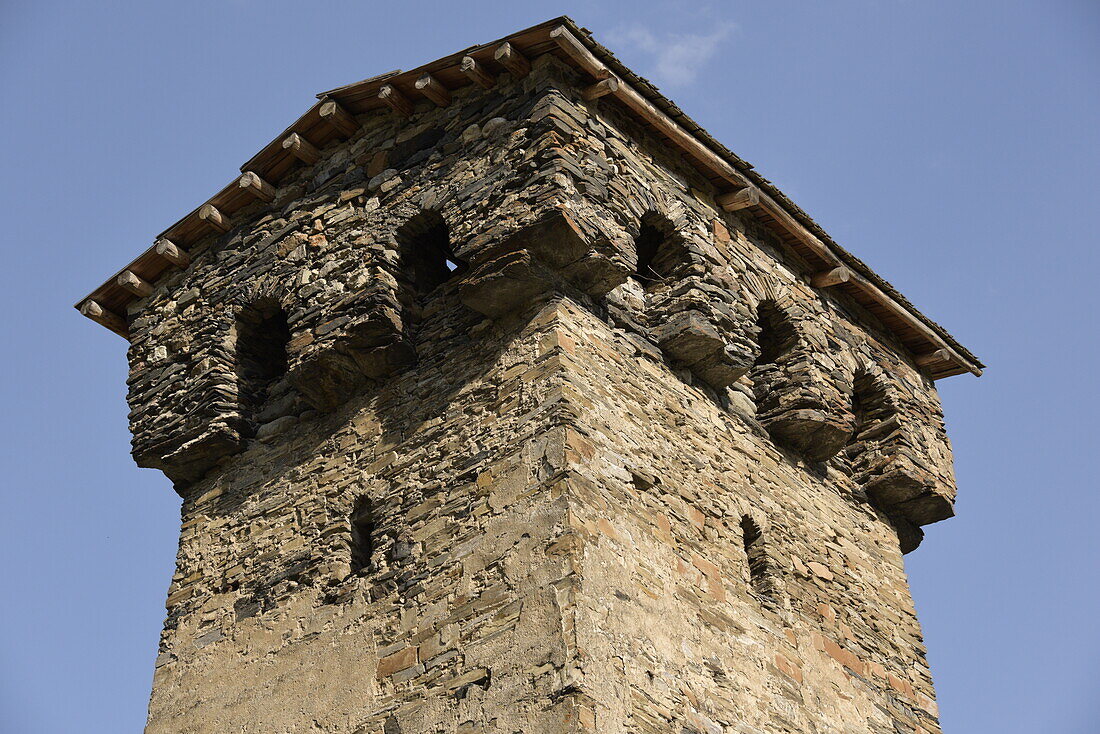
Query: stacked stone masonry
x=474 y=421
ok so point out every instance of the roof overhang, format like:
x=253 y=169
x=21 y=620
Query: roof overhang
x=739 y=186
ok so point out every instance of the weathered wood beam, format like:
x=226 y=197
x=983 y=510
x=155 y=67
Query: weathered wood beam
x=939 y=355
x=397 y=101
x=253 y=184
x=214 y=218
x=134 y=283
x=579 y=54
x=912 y=321
x=168 y=250
x=687 y=142
x=869 y=289
x=736 y=200
x=335 y=115
x=796 y=229
x=601 y=88
x=301 y=149
x=431 y=88
x=102 y=316
x=507 y=56
x=476 y=72
x=829 y=278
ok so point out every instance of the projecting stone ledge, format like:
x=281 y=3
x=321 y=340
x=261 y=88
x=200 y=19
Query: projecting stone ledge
x=531 y=263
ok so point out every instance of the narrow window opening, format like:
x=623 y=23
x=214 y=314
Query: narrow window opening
x=777 y=335
x=776 y=338
x=875 y=416
x=642 y=483
x=661 y=253
x=755 y=552
x=427 y=260
x=649 y=241
x=261 y=340
x=362 y=535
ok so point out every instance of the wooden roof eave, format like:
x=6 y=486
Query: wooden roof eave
x=107 y=304
x=870 y=289
x=935 y=350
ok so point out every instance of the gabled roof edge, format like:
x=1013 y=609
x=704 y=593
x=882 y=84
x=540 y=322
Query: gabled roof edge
x=575 y=45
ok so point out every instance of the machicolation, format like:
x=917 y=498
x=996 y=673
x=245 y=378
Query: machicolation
x=502 y=398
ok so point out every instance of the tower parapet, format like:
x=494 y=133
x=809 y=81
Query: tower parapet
x=481 y=373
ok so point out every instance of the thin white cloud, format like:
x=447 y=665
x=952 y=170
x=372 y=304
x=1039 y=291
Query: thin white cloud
x=677 y=58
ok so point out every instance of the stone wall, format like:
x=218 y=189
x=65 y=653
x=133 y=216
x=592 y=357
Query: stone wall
x=454 y=618
x=722 y=277
x=675 y=632
x=472 y=423
x=328 y=251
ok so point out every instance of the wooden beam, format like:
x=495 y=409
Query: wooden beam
x=476 y=72
x=134 y=283
x=253 y=184
x=912 y=321
x=741 y=199
x=431 y=88
x=335 y=115
x=869 y=289
x=600 y=88
x=926 y=360
x=398 y=102
x=796 y=229
x=687 y=142
x=829 y=278
x=102 y=316
x=214 y=218
x=580 y=55
x=507 y=56
x=168 y=250
x=301 y=149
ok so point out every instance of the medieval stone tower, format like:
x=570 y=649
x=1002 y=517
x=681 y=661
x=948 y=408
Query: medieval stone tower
x=503 y=399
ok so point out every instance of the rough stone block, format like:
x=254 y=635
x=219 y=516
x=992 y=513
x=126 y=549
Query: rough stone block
x=816 y=434
x=326 y=378
x=187 y=457
x=506 y=284
x=692 y=340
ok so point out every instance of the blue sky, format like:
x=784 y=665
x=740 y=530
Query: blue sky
x=953 y=146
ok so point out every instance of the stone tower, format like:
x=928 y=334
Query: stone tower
x=501 y=398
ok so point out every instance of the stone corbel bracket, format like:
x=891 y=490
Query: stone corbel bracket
x=892 y=458
x=700 y=326
x=532 y=263
x=185 y=415
x=363 y=338
x=802 y=402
